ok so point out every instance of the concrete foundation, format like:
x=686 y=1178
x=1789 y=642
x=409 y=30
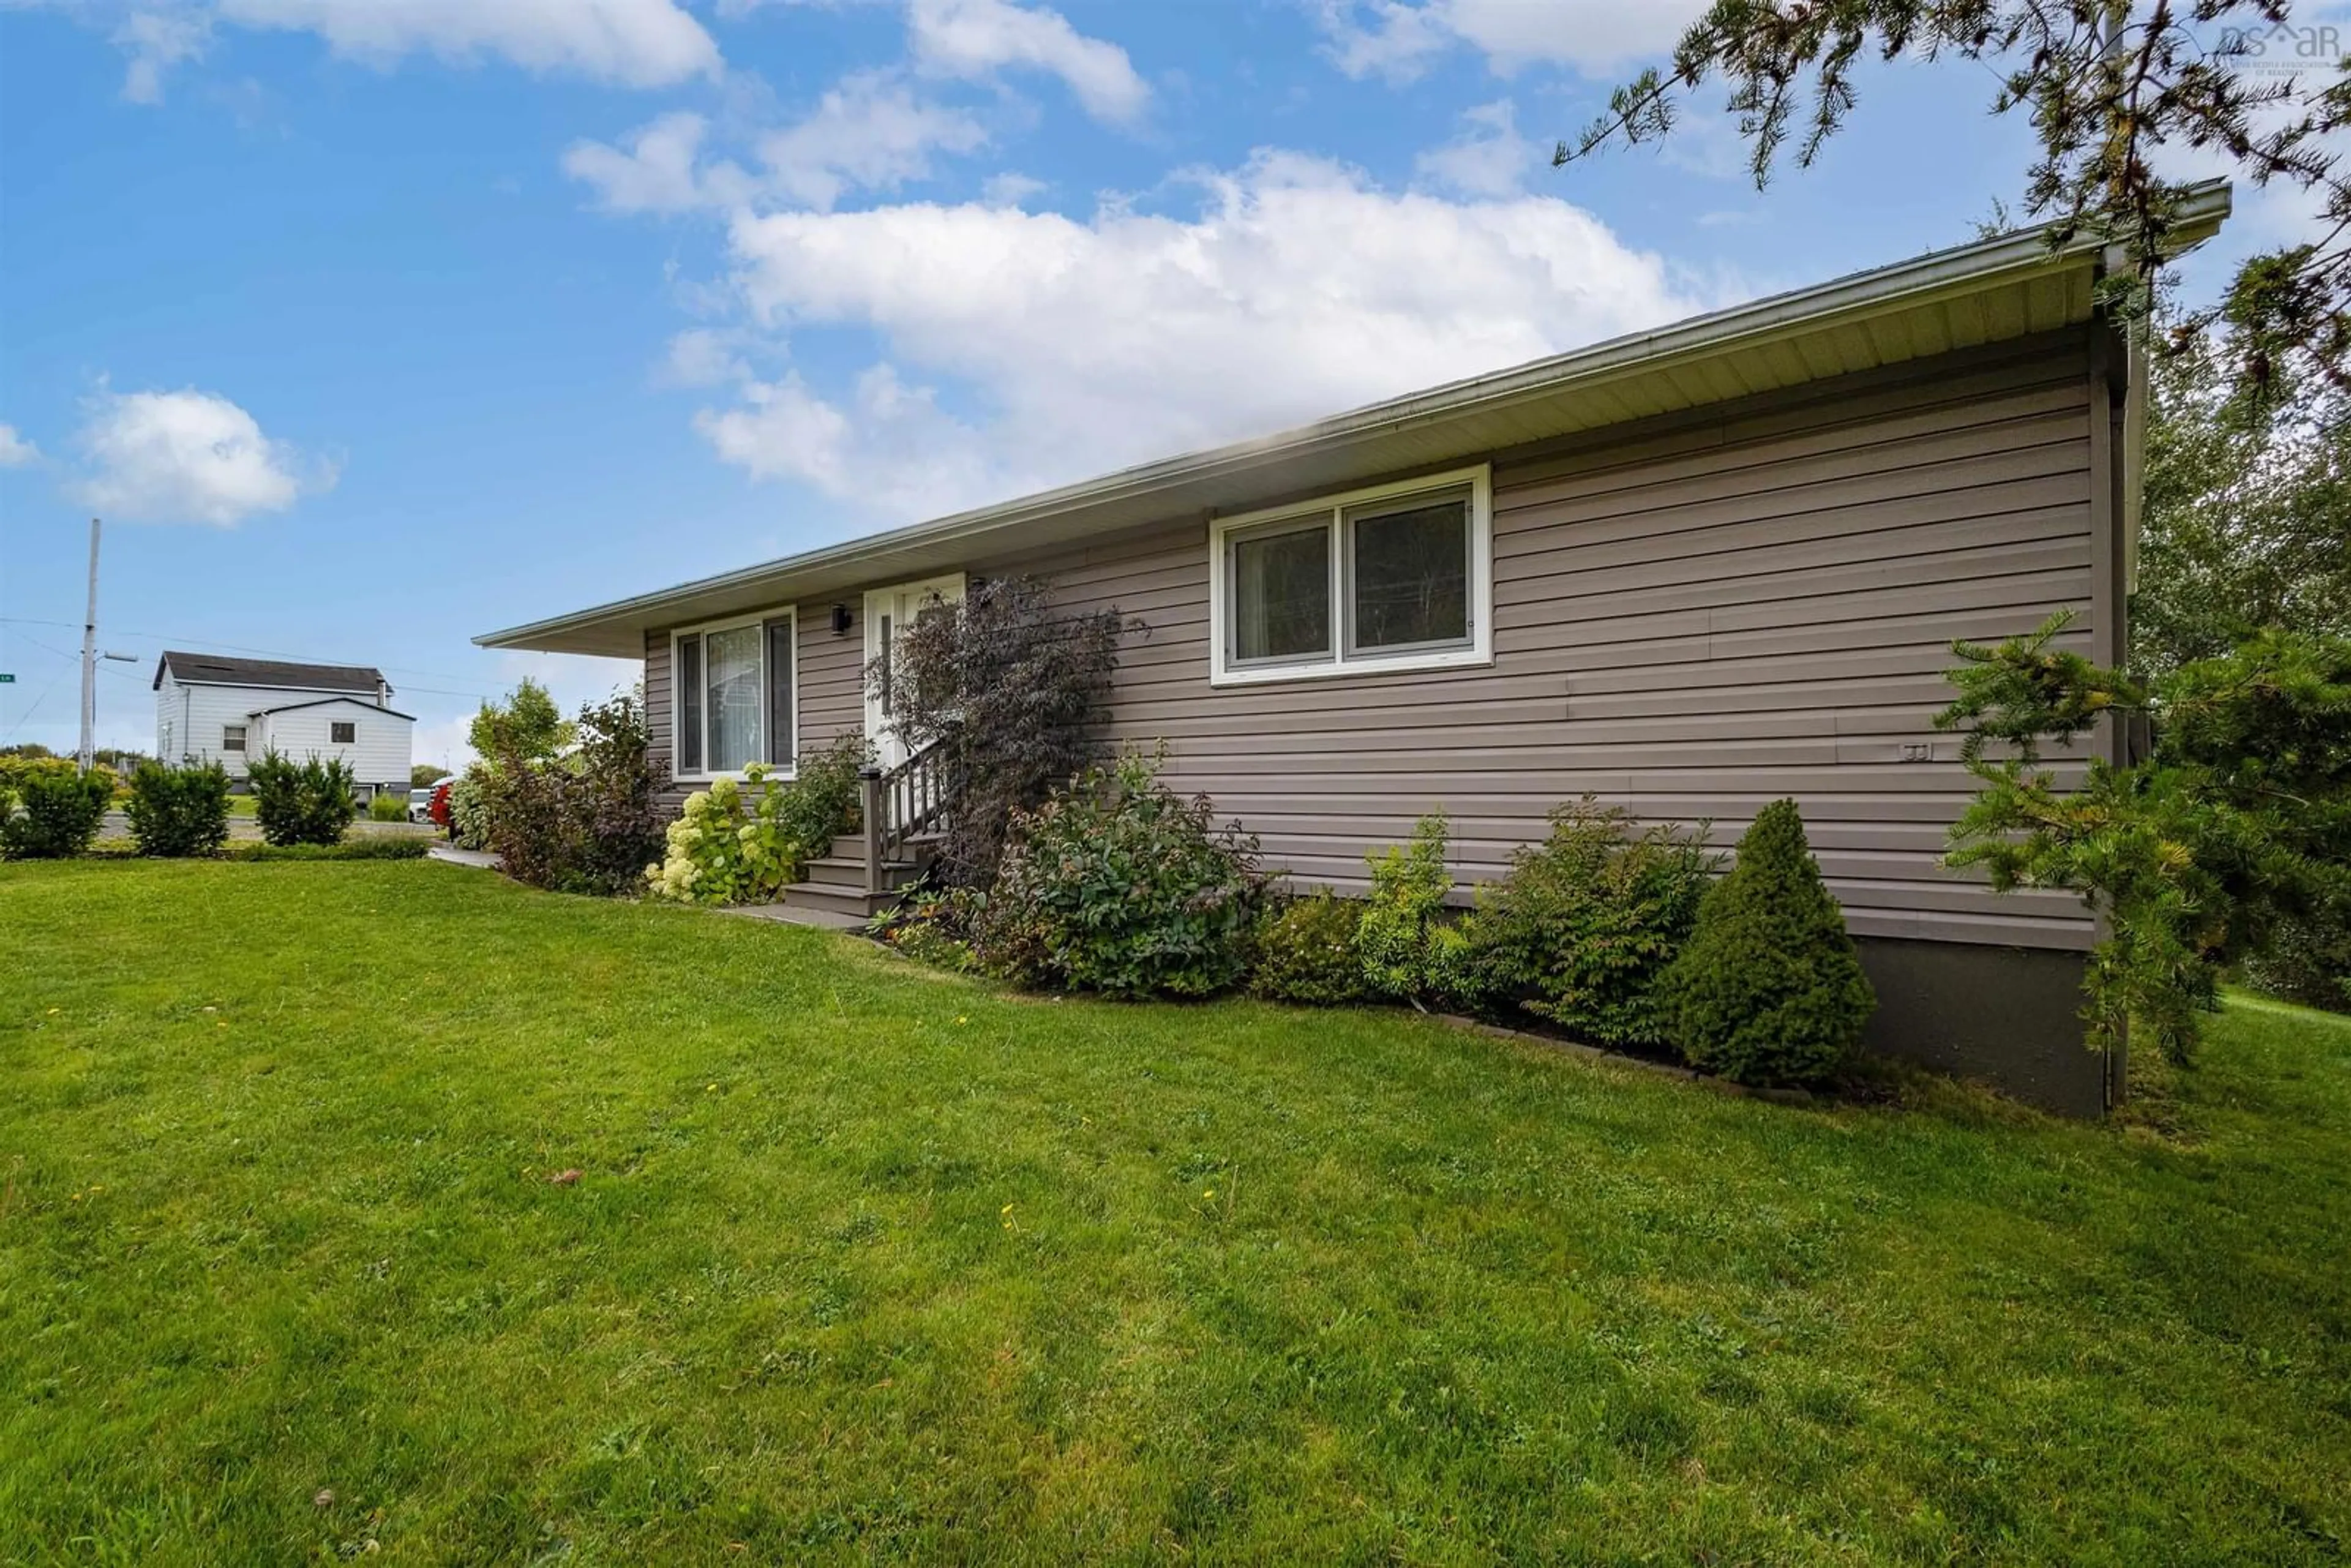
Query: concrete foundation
x=2008 y=1015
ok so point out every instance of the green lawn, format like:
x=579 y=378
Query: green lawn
x=867 y=1263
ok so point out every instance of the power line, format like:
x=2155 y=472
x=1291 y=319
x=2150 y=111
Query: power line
x=264 y=653
x=63 y=653
x=26 y=717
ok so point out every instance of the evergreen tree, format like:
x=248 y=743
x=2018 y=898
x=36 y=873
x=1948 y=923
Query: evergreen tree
x=1769 y=990
x=2116 y=94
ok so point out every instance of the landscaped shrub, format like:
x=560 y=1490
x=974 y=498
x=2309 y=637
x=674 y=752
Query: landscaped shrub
x=935 y=927
x=388 y=807
x=306 y=802
x=613 y=793
x=375 y=847
x=1118 y=884
x=1410 y=949
x=706 y=859
x=53 y=813
x=15 y=767
x=469 y=810
x=1587 y=921
x=1306 y=952
x=178 y=810
x=587 y=821
x=741 y=843
x=1011 y=691
x=1769 y=990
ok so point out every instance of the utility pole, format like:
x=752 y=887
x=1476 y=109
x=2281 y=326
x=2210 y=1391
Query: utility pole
x=86 y=756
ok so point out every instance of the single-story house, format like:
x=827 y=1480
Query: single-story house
x=1688 y=570
x=213 y=708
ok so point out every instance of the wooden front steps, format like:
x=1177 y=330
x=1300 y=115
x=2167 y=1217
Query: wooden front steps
x=835 y=893
x=859 y=875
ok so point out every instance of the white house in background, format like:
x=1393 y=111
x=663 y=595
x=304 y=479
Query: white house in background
x=212 y=708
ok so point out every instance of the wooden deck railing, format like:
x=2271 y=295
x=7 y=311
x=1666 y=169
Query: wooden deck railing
x=900 y=802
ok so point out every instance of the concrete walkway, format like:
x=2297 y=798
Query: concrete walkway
x=456 y=856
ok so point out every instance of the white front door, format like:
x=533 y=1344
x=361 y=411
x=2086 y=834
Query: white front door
x=887 y=611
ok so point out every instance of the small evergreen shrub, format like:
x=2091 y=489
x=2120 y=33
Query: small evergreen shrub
x=1410 y=949
x=306 y=803
x=1120 y=885
x=53 y=813
x=741 y=843
x=1306 y=953
x=1769 y=990
x=1587 y=921
x=178 y=810
x=388 y=807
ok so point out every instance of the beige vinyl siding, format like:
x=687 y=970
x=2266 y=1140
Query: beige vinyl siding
x=1693 y=616
x=828 y=702
x=832 y=673
x=1688 y=621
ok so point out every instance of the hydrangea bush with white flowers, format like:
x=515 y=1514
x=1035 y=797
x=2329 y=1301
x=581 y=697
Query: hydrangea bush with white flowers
x=739 y=841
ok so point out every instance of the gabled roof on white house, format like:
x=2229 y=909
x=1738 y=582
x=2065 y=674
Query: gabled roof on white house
x=2009 y=286
x=220 y=669
x=359 y=703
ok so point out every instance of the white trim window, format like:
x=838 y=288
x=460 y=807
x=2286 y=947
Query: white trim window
x=233 y=737
x=1397 y=577
x=734 y=695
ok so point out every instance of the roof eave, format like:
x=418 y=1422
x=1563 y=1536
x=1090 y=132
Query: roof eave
x=1857 y=296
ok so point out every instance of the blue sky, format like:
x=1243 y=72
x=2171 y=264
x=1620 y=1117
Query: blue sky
x=371 y=325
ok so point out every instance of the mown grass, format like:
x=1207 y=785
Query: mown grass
x=867 y=1263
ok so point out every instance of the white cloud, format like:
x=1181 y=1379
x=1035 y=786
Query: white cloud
x=1009 y=189
x=1492 y=159
x=867 y=133
x=1060 y=347
x=974 y=38
x=659 y=168
x=636 y=43
x=186 y=456
x=1397 y=39
x=888 y=446
x=702 y=357
x=870 y=132
x=156 y=40
x=15 y=450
